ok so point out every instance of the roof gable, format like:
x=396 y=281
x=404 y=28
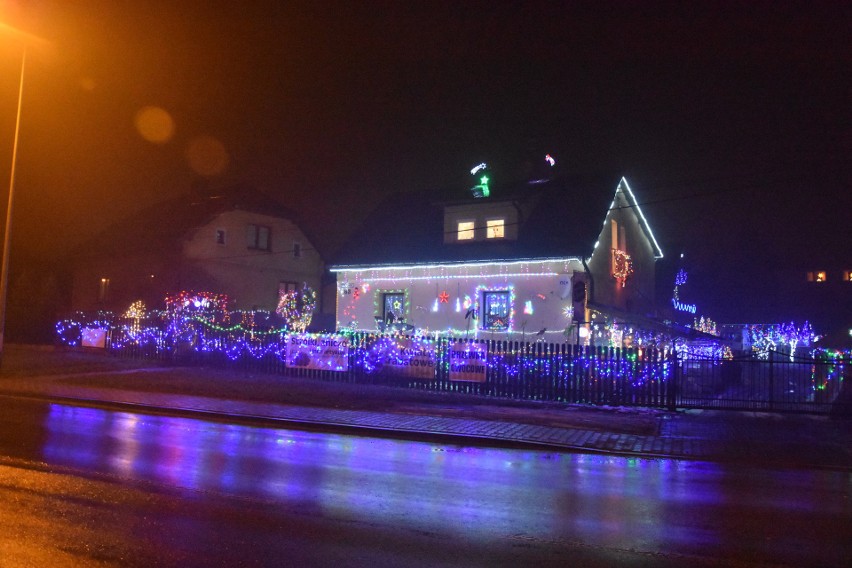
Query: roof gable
x=558 y=218
x=631 y=203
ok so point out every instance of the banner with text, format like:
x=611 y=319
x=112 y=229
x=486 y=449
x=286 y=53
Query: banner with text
x=325 y=352
x=410 y=358
x=468 y=362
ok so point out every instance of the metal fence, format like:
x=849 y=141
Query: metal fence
x=556 y=372
x=778 y=383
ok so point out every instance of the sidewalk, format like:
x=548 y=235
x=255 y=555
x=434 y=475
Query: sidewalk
x=760 y=439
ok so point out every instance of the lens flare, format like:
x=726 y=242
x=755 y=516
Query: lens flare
x=155 y=124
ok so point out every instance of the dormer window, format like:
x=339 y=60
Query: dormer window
x=466 y=230
x=495 y=228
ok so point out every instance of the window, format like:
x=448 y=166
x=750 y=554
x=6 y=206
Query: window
x=297 y=250
x=818 y=276
x=466 y=230
x=393 y=304
x=103 y=290
x=220 y=236
x=495 y=228
x=496 y=307
x=286 y=286
x=257 y=237
x=847 y=276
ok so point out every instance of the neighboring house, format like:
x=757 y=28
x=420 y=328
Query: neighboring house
x=240 y=243
x=528 y=260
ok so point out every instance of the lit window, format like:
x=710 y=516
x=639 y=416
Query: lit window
x=495 y=229
x=257 y=237
x=393 y=307
x=847 y=276
x=466 y=230
x=820 y=276
x=496 y=307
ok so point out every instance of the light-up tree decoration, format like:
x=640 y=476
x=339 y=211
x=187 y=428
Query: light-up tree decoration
x=766 y=338
x=135 y=313
x=705 y=325
x=296 y=307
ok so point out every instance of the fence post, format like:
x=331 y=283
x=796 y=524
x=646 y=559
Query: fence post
x=674 y=383
x=771 y=380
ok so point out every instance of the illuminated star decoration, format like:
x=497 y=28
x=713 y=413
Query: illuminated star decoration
x=481 y=189
x=549 y=159
x=444 y=297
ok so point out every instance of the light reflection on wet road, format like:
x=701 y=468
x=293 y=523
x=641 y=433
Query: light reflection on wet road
x=653 y=505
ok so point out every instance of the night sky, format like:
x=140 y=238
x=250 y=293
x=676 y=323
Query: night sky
x=730 y=120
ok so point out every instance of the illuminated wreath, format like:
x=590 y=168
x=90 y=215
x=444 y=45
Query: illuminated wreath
x=622 y=266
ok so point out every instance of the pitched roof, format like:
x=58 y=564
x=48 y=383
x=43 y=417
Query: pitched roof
x=564 y=220
x=158 y=227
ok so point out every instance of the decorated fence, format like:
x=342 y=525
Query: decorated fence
x=508 y=369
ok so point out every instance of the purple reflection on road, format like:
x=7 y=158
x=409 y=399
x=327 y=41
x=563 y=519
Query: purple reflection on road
x=643 y=504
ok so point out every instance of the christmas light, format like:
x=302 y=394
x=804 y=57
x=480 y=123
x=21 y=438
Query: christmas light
x=658 y=253
x=451 y=265
x=297 y=308
x=680 y=280
x=622 y=266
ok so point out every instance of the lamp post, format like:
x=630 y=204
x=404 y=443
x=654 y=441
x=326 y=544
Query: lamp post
x=4 y=268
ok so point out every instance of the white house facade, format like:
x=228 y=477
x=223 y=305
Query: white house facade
x=545 y=260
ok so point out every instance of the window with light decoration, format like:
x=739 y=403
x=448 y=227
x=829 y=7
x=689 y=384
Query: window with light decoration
x=495 y=228
x=496 y=309
x=393 y=306
x=466 y=230
x=257 y=237
x=817 y=276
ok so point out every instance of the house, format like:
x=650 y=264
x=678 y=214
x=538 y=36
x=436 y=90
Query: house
x=560 y=259
x=238 y=243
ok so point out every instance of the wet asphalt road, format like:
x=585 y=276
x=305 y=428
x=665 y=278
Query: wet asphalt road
x=87 y=486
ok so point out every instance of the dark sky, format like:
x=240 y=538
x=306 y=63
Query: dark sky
x=730 y=120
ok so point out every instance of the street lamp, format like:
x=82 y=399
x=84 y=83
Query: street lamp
x=4 y=268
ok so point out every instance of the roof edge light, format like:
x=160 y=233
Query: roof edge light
x=659 y=251
x=472 y=264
